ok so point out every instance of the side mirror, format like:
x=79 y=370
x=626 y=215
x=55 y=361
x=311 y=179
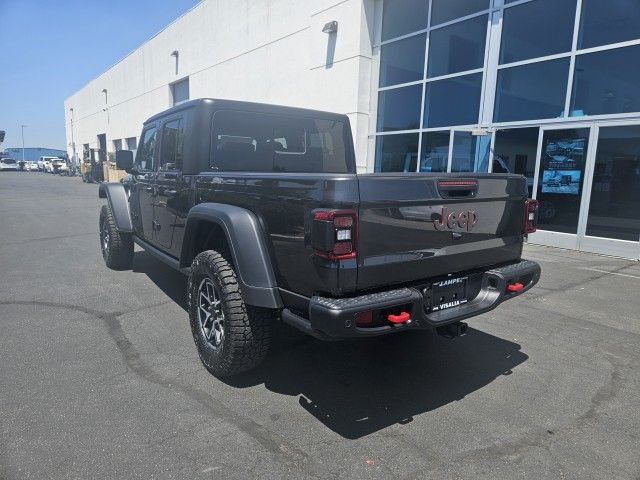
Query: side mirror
x=124 y=160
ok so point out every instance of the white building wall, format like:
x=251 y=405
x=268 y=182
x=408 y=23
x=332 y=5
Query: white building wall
x=271 y=51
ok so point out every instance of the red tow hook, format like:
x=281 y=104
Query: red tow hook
x=400 y=318
x=514 y=287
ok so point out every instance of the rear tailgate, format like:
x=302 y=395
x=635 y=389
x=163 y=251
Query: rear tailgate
x=418 y=226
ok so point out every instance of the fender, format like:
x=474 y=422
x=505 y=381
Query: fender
x=249 y=250
x=118 y=199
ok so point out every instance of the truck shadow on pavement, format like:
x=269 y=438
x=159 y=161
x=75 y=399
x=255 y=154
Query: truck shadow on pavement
x=358 y=387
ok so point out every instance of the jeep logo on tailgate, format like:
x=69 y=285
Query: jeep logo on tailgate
x=464 y=220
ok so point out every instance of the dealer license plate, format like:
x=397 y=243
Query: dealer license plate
x=447 y=293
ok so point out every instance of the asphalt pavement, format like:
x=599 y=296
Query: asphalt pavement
x=100 y=379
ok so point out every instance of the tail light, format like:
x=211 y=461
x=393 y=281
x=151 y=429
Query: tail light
x=334 y=233
x=530 y=216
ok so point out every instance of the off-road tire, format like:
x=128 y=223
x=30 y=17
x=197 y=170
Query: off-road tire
x=118 y=252
x=247 y=329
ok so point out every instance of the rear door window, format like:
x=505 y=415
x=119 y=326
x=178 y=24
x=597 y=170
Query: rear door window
x=145 y=158
x=258 y=142
x=171 y=153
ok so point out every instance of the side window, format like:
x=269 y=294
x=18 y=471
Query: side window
x=145 y=158
x=172 y=149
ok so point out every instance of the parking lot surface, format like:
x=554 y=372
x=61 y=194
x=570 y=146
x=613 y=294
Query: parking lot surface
x=99 y=376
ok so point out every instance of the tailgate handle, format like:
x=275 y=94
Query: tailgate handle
x=457 y=188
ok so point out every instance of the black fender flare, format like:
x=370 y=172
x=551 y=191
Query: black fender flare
x=246 y=240
x=118 y=199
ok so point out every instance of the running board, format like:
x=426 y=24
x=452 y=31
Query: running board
x=162 y=256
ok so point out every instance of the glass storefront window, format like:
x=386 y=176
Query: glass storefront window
x=400 y=17
x=402 y=61
x=531 y=92
x=470 y=153
x=447 y=10
x=515 y=151
x=615 y=192
x=537 y=29
x=458 y=47
x=435 y=151
x=562 y=168
x=610 y=21
x=397 y=153
x=607 y=82
x=399 y=108
x=453 y=101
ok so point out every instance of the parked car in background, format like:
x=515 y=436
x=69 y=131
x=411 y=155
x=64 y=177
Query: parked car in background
x=44 y=163
x=8 y=164
x=59 y=165
x=31 y=166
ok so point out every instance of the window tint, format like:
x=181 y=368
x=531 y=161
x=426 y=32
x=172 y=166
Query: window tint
x=454 y=101
x=435 y=152
x=402 y=61
x=145 y=159
x=607 y=82
x=399 y=109
x=446 y=10
x=536 y=29
x=400 y=17
x=609 y=21
x=521 y=95
x=256 y=142
x=397 y=153
x=172 y=146
x=458 y=47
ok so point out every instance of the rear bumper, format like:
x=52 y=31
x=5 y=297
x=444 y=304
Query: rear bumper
x=335 y=318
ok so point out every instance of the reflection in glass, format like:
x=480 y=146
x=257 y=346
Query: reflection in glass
x=458 y=47
x=515 y=151
x=399 y=108
x=610 y=21
x=607 y=82
x=470 y=152
x=454 y=101
x=536 y=29
x=397 y=153
x=447 y=10
x=400 y=17
x=435 y=151
x=521 y=93
x=402 y=61
x=560 y=180
x=614 y=211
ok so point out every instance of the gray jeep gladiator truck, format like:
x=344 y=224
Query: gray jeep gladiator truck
x=262 y=208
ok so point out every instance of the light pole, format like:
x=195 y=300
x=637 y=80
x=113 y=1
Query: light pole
x=22 y=126
x=73 y=143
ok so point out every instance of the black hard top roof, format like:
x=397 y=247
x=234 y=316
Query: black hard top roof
x=213 y=104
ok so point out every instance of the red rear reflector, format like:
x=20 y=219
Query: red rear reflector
x=400 y=318
x=515 y=287
x=364 y=318
x=342 y=248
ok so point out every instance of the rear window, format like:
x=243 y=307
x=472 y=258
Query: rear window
x=257 y=142
x=8 y=161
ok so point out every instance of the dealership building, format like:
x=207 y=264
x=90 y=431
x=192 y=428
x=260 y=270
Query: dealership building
x=549 y=89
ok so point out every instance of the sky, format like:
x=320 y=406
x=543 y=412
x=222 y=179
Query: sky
x=51 y=48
